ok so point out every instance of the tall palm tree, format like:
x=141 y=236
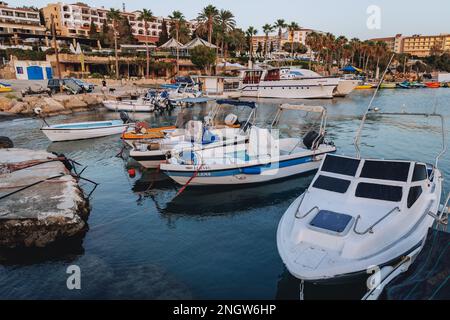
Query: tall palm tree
x=146 y=16
x=267 y=28
x=355 y=44
x=313 y=42
x=292 y=27
x=226 y=23
x=280 y=24
x=339 y=43
x=251 y=32
x=380 y=51
x=178 y=20
x=114 y=16
x=207 y=18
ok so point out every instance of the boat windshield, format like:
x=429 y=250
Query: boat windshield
x=331 y=184
x=340 y=165
x=379 y=192
x=386 y=170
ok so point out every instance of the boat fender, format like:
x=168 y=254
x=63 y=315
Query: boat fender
x=377 y=278
x=131 y=173
x=310 y=137
x=124 y=117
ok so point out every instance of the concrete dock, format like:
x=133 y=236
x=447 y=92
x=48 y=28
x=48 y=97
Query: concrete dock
x=40 y=201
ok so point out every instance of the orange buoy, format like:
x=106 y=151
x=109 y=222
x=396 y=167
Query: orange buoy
x=132 y=172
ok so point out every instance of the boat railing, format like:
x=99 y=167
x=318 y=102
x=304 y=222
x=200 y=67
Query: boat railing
x=370 y=229
x=307 y=213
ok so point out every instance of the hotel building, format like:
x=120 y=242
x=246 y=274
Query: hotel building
x=417 y=45
x=74 y=20
x=19 y=21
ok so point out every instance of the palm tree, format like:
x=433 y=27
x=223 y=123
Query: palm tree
x=339 y=43
x=251 y=31
x=207 y=18
x=226 y=23
x=292 y=27
x=267 y=28
x=114 y=16
x=280 y=24
x=380 y=51
x=313 y=42
x=355 y=44
x=178 y=20
x=146 y=16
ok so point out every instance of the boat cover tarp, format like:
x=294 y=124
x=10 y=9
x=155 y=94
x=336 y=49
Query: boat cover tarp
x=301 y=107
x=237 y=103
x=351 y=69
x=428 y=277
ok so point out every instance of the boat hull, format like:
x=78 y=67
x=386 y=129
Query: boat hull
x=345 y=87
x=292 y=89
x=68 y=134
x=250 y=173
x=128 y=107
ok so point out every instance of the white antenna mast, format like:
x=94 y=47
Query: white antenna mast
x=358 y=134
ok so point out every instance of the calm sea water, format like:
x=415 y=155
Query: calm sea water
x=207 y=244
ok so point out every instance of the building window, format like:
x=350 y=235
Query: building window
x=19 y=70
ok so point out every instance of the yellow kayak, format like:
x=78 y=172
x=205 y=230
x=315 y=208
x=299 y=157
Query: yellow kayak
x=364 y=86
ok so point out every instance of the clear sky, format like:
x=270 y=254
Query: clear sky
x=346 y=17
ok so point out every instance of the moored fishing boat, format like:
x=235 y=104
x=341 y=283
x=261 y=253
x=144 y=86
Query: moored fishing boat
x=404 y=85
x=262 y=159
x=433 y=84
x=83 y=130
x=4 y=87
x=388 y=85
x=219 y=128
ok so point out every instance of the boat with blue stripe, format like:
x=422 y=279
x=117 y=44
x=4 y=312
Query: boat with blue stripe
x=264 y=158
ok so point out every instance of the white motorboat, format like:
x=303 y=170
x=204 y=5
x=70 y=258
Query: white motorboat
x=361 y=215
x=139 y=105
x=220 y=128
x=83 y=130
x=151 y=101
x=263 y=159
x=272 y=83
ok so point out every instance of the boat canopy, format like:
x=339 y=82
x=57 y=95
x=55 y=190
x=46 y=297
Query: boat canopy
x=351 y=69
x=237 y=103
x=316 y=109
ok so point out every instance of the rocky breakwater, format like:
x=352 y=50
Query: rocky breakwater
x=40 y=201
x=55 y=105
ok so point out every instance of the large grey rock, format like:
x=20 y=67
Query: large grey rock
x=49 y=211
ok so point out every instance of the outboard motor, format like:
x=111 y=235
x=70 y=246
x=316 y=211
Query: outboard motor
x=310 y=137
x=231 y=120
x=124 y=117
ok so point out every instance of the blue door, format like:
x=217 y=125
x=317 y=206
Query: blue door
x=49 y=72
x=35 y=73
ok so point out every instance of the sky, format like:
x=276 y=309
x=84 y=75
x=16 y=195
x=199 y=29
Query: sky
x=340 y=17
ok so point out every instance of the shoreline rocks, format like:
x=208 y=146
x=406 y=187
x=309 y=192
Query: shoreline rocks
x=51 y=106
x=50 y=211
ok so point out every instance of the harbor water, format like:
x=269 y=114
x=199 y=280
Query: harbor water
x=214 y=243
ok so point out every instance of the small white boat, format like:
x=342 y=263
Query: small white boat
x=262 y=159
x=361 y=215
x=139 y=105
x=219 y=128
x=83 y=130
